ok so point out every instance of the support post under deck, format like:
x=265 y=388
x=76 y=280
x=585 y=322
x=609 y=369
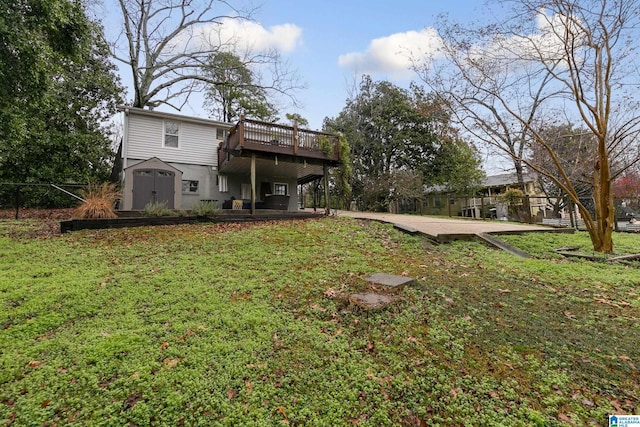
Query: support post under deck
x=253 y=183
x=325 y=168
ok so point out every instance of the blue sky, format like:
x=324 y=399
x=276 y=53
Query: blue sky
x=332 y=42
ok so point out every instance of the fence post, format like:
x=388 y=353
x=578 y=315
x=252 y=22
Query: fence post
x=17 y=200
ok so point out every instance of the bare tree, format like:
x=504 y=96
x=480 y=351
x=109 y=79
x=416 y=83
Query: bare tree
x=573 y=147
x=551 y=59
x=168 y=42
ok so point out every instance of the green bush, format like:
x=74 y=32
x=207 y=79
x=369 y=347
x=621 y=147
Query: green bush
x=157 y=209
x=205 y=208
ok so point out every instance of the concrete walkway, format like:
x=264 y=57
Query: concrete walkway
x=445 y=230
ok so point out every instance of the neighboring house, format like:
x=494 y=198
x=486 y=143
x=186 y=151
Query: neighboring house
x=486 y=203
x=180 y=161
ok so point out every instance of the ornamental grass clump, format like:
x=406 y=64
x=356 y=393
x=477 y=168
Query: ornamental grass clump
x=99 y=201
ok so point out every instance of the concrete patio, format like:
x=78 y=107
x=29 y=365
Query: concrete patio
x=445 y=230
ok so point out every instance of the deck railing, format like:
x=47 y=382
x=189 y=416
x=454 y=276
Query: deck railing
x=476 y=202
x=276 y=138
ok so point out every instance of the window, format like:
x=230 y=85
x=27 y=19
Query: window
x=245 y=191
x=223 y=184
x=221 y=133
x=171 y=131
x=189 y=187
x=280 y=189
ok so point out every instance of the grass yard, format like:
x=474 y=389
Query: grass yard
x=253 y=325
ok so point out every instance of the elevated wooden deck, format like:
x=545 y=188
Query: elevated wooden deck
x=269 y=140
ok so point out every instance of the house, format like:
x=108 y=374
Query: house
x=181 y=161
x=486 y=203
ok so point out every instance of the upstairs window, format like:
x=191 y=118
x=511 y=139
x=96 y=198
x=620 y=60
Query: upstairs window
x=221 y=133
x=171 y=133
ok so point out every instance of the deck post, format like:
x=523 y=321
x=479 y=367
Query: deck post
x=325 y=168
x=294 y=136
x=241 y=131
x=253 y=183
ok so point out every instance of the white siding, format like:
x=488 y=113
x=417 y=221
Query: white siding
x=197 y=142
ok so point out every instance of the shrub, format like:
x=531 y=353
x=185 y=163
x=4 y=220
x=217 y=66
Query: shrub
x=157 y=209
x=98 y=201
x=205 y=208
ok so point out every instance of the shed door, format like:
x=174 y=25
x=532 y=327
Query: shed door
x=153 y=186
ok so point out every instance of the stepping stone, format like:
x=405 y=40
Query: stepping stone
x=371 y=300
x=389 y=280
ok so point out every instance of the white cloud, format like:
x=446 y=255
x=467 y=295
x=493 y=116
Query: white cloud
x=393 y=54
x=546 y=41
x=243 y=36
x=253 y=36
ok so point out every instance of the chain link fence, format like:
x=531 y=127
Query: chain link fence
x=17 y=196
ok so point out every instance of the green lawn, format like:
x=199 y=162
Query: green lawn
x=252 y=324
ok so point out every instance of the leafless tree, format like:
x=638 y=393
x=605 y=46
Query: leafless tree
x=168 y=42
x=573 y=147
x=549 y=62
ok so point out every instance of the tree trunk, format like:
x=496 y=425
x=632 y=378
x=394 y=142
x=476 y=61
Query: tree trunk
x=601 y=231
x=526 y=209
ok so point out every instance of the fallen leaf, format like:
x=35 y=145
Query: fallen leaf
x=587 y=402
x=45 y=403
x=171 y=362
x=563 y=417
x=617 y=405
x=281 y=410
x=413 y=340
x=164 y=345
x=317 y=307
x=35 y=364
x=625 y=358
x=249 y=386
x=230 y=394
x=569 y=315
x=330 y=293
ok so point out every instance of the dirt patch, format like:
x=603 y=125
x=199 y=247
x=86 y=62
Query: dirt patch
x=55 y=214
x=371 y=300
